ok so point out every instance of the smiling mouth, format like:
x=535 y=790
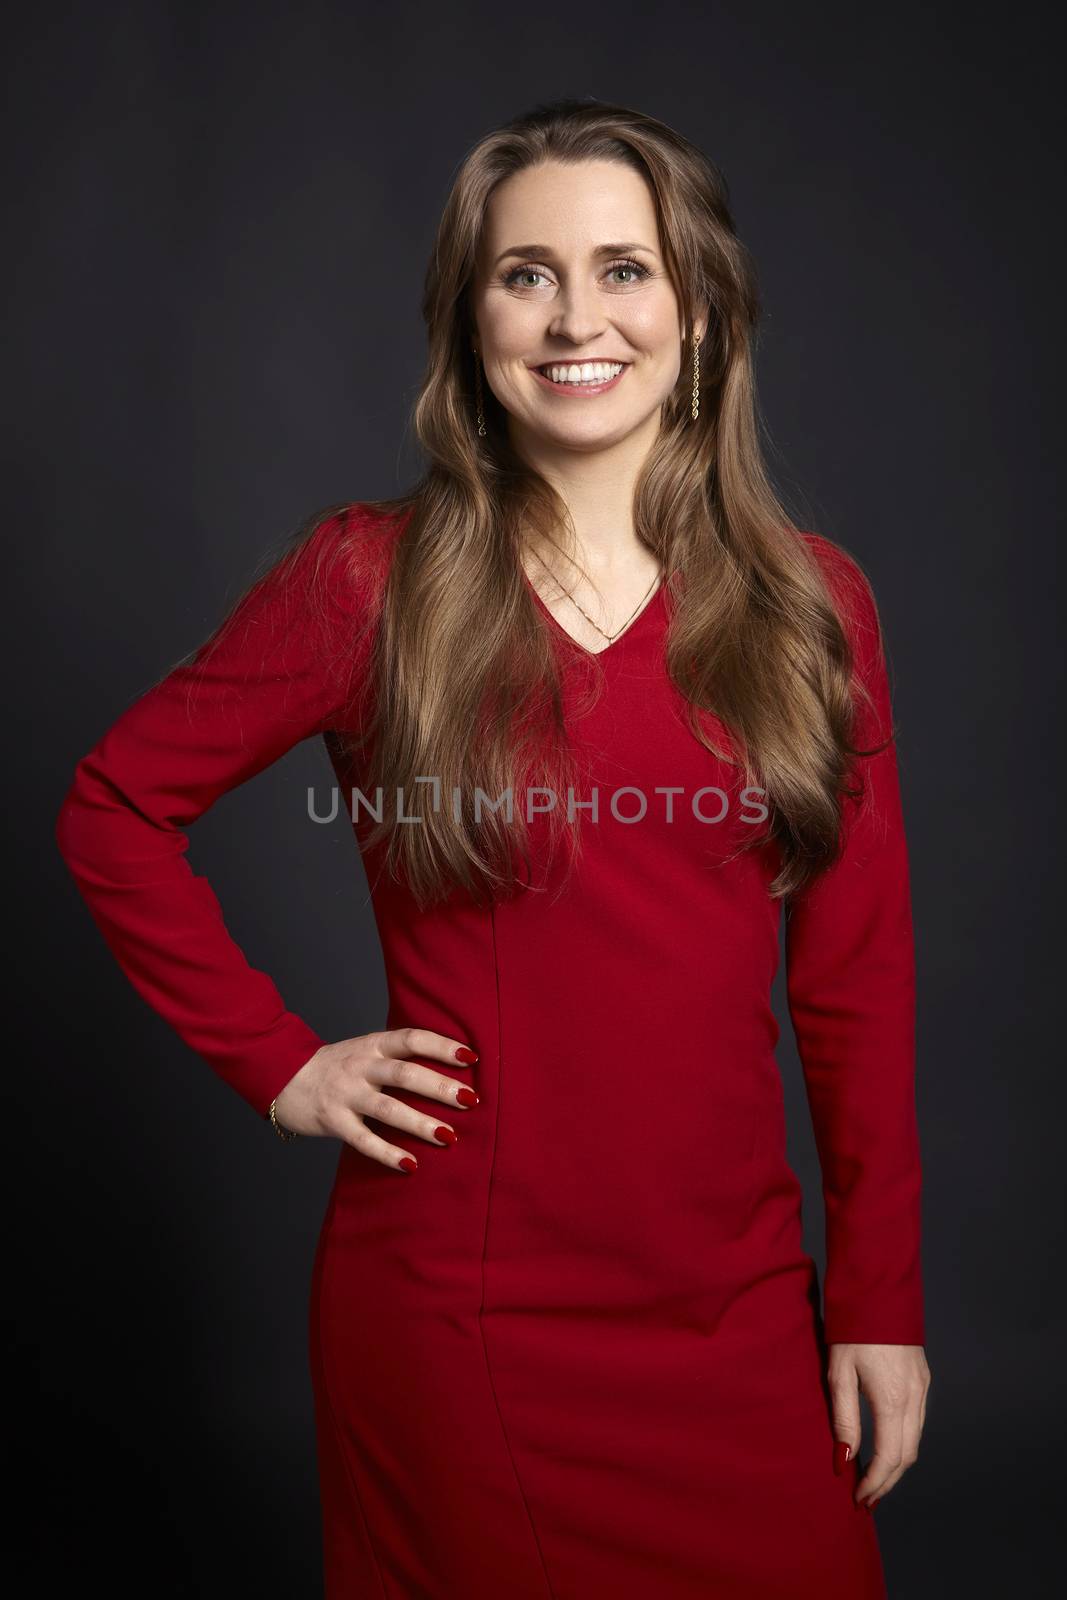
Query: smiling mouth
x=581 y=374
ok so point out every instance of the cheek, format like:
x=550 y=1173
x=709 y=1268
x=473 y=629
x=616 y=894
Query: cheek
x=510 y=327
x=653 y=326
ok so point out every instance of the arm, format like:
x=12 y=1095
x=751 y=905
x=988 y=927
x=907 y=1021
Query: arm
x=851 y=993
x=278 y=670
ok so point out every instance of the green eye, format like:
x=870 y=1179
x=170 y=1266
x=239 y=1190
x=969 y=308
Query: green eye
x=531 y=269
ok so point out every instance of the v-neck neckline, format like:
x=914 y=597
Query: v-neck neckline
x=654 y=599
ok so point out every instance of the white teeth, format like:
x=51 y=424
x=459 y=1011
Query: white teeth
x=585 y=372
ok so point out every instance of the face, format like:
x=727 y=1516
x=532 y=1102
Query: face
x=570 y=271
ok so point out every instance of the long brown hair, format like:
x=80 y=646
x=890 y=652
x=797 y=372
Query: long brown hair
x=467 y=678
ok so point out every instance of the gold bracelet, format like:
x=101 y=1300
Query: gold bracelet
x=283 y=1133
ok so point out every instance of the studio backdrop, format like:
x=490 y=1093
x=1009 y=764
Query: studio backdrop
x=219 y=227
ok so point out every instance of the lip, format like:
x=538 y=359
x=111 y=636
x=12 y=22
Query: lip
x=579 y=391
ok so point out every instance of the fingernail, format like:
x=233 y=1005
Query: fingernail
x=445 y=1135
x=408 y=1164
x=463 y=1054
x=842 y=1453
x=466 y=1097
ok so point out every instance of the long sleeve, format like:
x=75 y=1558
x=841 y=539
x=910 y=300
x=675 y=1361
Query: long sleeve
x=276 y=671
x=852 y=999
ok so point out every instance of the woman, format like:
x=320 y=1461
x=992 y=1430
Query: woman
x=581 y=1354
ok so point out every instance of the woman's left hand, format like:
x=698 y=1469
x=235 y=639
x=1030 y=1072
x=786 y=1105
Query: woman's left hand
x=896 y=1380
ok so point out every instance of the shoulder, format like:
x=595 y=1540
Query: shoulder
x=838 y=568
x=324 y=581
x=850 y=591
x=342 y=555
x=360 y=528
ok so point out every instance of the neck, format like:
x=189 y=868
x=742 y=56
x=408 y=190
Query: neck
x=597 y=488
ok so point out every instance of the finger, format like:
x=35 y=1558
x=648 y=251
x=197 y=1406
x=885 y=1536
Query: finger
x=425 y=1081
x=846 y=1421
x=909 y=1438
x=354 y=1132
x=370 y=1102
x=922 y=1404
x=911 y=1430
x=424 y=1042
x=888 y=1448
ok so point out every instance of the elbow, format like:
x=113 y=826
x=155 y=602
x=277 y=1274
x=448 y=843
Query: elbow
x=108 y=832
x=73 y=828
x=65 y=826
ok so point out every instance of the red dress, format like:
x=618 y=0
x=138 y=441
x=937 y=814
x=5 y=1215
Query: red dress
x=578 y=1355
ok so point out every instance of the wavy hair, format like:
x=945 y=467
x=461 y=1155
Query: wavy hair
x=467 y=673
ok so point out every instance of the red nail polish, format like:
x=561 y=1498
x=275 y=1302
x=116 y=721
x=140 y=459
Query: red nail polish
x=445 y=1135
x=465 y=1055
x=842 y=1453
x=466 y=1097
x=408 y=1164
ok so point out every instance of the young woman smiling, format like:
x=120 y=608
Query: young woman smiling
x=565 y=1339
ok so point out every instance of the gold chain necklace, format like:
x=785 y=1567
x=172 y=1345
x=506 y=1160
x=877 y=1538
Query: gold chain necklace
x=610 y=637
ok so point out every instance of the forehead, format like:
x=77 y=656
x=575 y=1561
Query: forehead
x=570 y=207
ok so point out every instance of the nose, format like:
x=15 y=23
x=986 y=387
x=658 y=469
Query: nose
x=576 y=315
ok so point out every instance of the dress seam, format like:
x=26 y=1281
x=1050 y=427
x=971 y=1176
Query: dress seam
x=485 y=1244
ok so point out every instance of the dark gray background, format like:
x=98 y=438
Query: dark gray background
x=220 y=220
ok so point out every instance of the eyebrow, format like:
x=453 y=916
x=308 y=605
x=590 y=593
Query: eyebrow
x=546 y=250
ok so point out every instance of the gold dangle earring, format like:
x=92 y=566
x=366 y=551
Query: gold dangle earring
x=480 y=397
x=696 y=376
